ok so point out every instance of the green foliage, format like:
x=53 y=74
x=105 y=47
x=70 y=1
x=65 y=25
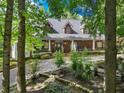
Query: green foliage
x=85 y=52
x=74 y=58
x=120 y=18
x=59 y=58
x=58 y=8
x=2 y=18
x=1 y=64
x=33 y=67
x=36 y=21
x=81 y=65
x=95 y=23
x=36 y=26
x=87 y=74
x=57 y=88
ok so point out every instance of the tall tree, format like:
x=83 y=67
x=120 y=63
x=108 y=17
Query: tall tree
x=36 y=20
x=21 y=83
x=110 y=49
x=7 y=46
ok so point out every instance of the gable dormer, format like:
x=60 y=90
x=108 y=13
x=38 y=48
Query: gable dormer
x=68 y=29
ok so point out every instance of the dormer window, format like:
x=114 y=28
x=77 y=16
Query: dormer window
x=68 y=29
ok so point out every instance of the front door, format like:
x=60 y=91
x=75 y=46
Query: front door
x=66 y=46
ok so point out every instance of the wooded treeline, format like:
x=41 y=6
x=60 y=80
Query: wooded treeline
x=17 y=26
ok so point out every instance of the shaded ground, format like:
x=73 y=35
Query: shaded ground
x=95 y=84
x=45 y=66
x=67 y=74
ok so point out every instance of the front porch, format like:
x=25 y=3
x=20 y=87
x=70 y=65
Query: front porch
x=72 y=45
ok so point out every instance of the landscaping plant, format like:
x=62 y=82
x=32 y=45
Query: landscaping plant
x=81 y=65
x=33 y=68
x=84 y=53
x=74 y=58
x=59 y=59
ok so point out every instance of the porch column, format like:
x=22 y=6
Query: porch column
x=73 y=46
x=49 y=45
x=93 y=45
x=14 y=51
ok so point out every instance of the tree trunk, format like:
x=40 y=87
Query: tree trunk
x=110 y=49
x=7 y=46
x=21 y=83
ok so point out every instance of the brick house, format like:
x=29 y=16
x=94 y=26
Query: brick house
x=68 y=35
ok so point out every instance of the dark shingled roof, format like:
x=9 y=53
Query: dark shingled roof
x=58 y=26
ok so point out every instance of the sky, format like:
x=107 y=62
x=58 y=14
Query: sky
x=82 y=11
x=44 y=3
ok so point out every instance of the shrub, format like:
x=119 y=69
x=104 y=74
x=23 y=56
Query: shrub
x=85 y=52
x=59 y=58
x=33 y=68
x=81 y=65
x=74 y=59
x=87 y=74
